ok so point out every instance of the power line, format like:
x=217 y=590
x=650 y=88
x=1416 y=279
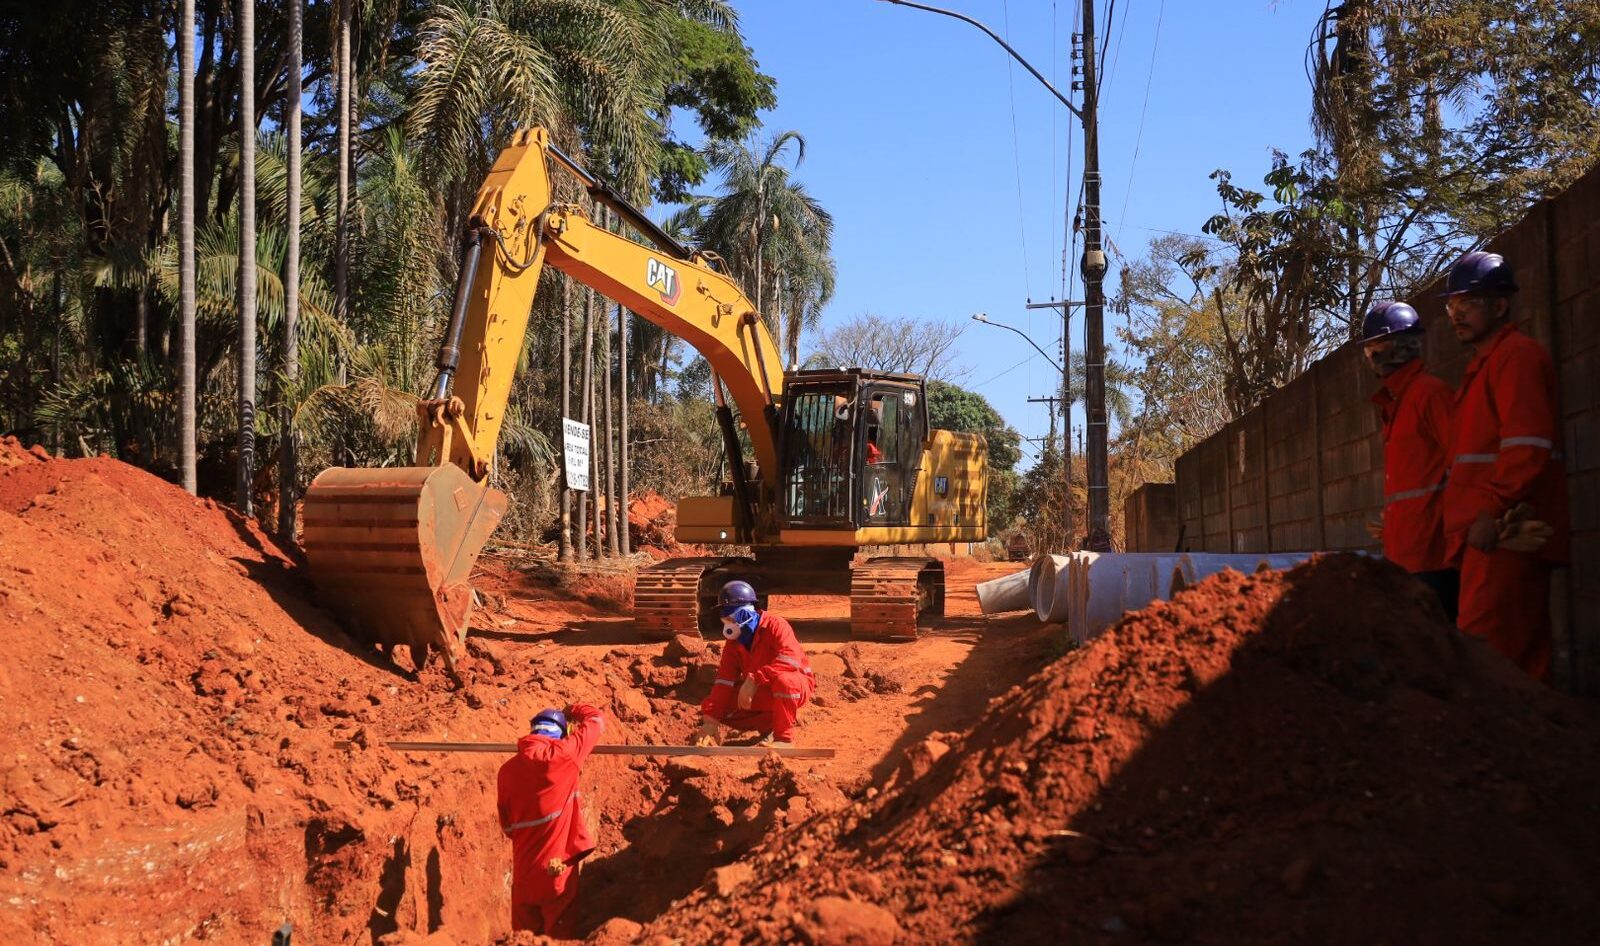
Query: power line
x=1116 y=54
x=1055 y=79
x=1105 y=44
x=1004 y=373
x=1016 y=156
x=1138 y=138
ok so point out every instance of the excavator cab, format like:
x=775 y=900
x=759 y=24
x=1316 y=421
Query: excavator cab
x=851 y=449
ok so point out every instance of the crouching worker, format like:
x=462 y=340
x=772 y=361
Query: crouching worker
x=539 y=812
x=764 y=677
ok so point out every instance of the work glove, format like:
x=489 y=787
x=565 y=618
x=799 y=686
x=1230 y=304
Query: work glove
x=555 y=867
x=710 y=733
x=747 y=693
x=1375 y=529
x=1521 y=533
x=1484 y=532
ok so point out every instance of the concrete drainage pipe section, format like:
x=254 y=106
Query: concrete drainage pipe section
x=1010 y=593
x=1053 y=586
x=1090 y=592
x=1194 y=567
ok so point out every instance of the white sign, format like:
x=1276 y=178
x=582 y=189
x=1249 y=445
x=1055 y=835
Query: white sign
x=576 y=438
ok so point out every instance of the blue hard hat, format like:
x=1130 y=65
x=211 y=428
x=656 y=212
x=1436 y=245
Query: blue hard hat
x=549 y=722
x=1389 y=318
x=1483 y=273
x=736 y=594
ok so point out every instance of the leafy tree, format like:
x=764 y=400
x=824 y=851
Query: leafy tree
x=405 y=105
x=716 y=77
x=1276 y=289
x=1175 y=334
x=955 y=408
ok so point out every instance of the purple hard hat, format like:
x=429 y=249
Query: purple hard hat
x=1481 y=273
x=736 y=594
x=549 y=722
x=1389 y=318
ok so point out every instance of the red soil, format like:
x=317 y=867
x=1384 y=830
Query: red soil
x=1307 y=757
x=651 y=519
x=171 y=701
x=1310 y=757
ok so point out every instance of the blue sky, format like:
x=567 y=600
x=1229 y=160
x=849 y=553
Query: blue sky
x=945 y=168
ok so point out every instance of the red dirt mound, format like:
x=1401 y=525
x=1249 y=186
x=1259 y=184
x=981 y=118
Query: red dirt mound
x=651 y=519
x=169 y=704
x=1310 y=757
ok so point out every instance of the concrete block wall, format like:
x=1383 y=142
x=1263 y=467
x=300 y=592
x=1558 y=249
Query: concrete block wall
x=1150 y=518
x=1304 y=469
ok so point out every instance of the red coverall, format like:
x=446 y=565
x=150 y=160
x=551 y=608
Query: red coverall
x=1416 y=408
x=784 y=681
x=1508 y=450
x=538 y=801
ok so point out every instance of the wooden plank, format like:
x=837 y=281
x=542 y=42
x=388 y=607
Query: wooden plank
x=506 y=748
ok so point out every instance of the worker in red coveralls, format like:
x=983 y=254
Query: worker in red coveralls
x=1507 y=472
x=764 y=677
x=1416 y=409
x=538 y=800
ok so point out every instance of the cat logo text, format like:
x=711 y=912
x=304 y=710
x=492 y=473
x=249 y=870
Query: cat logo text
x=664 y=280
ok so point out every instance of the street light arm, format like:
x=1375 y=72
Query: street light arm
x=1007 y=46
x=980 y=317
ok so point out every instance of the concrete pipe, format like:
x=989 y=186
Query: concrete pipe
x=1113 y=586
x=1282 y=561
x=1010 y=593
x=1057 y=564
x=1052 y=591
x=1194 y=567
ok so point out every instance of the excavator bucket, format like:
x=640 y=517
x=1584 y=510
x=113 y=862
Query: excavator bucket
x=390 y=551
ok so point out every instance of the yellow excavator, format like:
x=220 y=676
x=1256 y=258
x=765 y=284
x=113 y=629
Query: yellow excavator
x=843 y=460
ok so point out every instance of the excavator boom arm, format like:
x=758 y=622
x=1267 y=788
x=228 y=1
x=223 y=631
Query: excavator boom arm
x=521 y=230
x=392 y=549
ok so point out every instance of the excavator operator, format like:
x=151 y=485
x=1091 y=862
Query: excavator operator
x=764 y=677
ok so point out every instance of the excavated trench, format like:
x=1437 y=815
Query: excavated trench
x=170 y=721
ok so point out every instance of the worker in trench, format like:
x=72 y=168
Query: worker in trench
x=1416 y=409
x=764 y=677
x=539 y=812
x=1505 y=504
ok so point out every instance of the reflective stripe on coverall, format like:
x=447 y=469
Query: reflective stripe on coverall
x=784 y=681
x=539 y=811
x=1507 y=451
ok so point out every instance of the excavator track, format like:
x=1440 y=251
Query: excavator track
x=666 y=597
x=888 y=597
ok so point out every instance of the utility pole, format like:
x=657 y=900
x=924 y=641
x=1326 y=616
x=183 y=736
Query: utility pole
x=1066 y=306
x=1052 y=401
x=1093 y=265
x=1094 y=272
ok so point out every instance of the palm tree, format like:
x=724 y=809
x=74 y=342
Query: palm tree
x=1119 y=382
x=594 y=72
x=186 y=323
x=346 y=79
x=287 y=472
x=775 y=237
x=247 y=252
